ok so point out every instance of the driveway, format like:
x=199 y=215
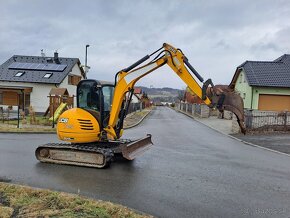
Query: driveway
x=273 y=140
x=191 y=171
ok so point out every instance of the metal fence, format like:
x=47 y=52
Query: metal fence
x=136 y=107
x=255 y=120
x=266 y=120
x=8 y=114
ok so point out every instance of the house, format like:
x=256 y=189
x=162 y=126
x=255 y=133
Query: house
x=264 y=85
x=191 y=97
x=138 y=92
x=137 y=95
x=27 y=80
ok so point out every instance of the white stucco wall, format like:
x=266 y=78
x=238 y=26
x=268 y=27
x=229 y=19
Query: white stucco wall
x=135 y=99
x=71 y=88
x=38 y=97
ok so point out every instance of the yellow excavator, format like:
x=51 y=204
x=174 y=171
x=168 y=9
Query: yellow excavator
x=93 y=130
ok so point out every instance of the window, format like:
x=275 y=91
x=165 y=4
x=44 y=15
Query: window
x=24 y=102
x=69 y=79
x=244 y=95
x=74 y=79
x=1 y=98
x=19 y=73
x=10 y=98
x=108 y=97
x=88 y=97
x=27 y=100
x=47 y=75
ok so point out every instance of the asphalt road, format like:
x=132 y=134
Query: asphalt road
x=192 y=171
x=273 y=140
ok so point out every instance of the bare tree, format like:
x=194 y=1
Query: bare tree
x=180 y=95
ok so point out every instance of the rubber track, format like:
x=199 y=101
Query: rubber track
x=106 y=152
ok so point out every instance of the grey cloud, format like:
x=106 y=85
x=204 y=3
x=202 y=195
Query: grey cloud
x=215 y=35
x=265 y=46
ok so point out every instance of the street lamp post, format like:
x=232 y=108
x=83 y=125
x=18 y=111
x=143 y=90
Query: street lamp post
x=86 y=66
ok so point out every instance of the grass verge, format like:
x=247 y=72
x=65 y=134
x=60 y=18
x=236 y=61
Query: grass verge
x=130 y=120
x=21 y=201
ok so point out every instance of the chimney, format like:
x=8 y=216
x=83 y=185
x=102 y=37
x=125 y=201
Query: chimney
x=42 y=53
x=56 y=60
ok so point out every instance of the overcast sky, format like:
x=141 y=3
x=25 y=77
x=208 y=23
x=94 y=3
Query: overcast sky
x=216 y=36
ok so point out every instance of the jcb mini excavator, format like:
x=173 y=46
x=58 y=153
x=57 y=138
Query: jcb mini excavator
x=93 y=130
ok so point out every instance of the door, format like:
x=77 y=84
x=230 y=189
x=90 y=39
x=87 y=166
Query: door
x=274 y=102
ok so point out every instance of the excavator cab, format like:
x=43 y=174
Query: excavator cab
x=96 y=97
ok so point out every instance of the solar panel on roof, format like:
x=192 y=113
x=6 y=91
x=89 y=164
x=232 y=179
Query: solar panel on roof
x=38 y=66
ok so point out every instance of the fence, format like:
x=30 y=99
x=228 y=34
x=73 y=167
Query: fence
x=7 y=113
x=200 y=110
x=136 y=107
x=254 y=120
x=266 y=120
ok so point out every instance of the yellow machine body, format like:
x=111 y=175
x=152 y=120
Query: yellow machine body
x=77 y=125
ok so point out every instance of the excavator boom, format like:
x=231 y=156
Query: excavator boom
x=220 y=97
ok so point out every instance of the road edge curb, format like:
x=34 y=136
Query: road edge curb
x=140 y=121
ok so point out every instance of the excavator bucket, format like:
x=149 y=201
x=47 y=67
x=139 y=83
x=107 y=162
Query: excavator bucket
x=136 y=148
x=233 y=102
x=226 y=99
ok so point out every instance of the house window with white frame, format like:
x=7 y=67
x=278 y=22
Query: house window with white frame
x=47 y=75
x=19 y=74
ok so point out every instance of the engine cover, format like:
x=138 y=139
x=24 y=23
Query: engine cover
x=77 y=125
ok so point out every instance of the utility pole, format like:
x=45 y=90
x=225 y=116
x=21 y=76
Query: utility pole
x=86 y=66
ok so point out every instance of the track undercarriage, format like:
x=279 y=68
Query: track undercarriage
x=98 y=154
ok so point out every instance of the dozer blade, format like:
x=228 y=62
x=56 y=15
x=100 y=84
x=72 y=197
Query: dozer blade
x=136 y=148
x=226 y=99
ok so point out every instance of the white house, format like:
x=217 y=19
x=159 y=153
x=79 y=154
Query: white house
x=27 y=80
x=136 y=98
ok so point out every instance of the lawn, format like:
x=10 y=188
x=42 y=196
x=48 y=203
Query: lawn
x=21 y=201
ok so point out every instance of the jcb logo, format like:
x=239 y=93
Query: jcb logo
x=63 y=120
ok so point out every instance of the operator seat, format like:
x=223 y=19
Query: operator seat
x=94 y=105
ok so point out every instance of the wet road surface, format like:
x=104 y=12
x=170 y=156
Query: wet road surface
x=273 y=140
x=192 y=171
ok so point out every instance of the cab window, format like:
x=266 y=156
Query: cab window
x=88 y=96
x=108 y=97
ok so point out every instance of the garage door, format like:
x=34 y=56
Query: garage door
x=274 y=102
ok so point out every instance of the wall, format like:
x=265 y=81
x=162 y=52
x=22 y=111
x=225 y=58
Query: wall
x=135 y=99
x=72 y=89
x=245 y=91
